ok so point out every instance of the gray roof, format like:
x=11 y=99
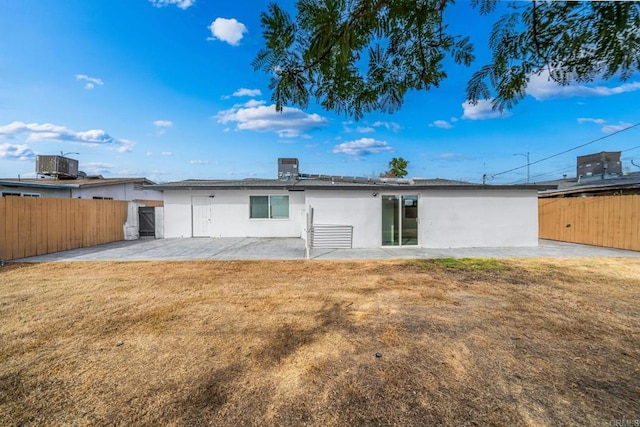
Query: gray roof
x=592 y=185
x=70 y=183
x=337 y=183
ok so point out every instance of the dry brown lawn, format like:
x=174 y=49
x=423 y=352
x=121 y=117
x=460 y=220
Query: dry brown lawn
x=472 y=342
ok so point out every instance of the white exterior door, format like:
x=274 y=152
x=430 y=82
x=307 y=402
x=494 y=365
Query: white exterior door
x=201 y=216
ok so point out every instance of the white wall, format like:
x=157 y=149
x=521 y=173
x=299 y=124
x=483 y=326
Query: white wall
x=119 y=191
x=159 y=216
x=230 y=214
x=132 y=225
x=489 y=218
x=177 y=212
x=447 y=218
x=359 y=209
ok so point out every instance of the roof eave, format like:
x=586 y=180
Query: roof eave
x=371 y=187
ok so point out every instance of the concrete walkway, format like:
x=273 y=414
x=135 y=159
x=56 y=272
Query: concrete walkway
x=279 y=248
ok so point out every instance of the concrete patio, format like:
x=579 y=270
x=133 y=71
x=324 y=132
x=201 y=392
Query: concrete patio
x=282 y=248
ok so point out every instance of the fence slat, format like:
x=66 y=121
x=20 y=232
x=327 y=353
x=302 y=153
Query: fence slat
x=4 y=249
x=610 y=221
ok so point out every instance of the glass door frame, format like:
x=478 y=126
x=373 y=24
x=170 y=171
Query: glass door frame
x=394 y=234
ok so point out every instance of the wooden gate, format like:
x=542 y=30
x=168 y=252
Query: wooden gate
x=147 y=221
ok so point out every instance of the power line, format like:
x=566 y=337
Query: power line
x=520 y=181
x=568 y=168
x=569 y=150
x=632 y=148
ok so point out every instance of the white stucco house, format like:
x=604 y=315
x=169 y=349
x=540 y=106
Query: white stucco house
x=358 y=213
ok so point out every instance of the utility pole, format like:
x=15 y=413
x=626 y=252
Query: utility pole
x=528 y=163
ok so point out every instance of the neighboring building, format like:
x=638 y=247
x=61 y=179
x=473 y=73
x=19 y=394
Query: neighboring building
x=130 y=189
x=360 y=213
x=599 y=165
x=60 y=177
x=572 y=187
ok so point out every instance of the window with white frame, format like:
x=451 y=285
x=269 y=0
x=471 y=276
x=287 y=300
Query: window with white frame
x=269 y=207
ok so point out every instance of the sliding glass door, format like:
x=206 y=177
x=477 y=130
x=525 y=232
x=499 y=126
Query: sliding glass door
x=399 y=220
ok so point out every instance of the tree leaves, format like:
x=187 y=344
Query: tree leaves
x=397 y=168
x=573 y=41
x=357 y=56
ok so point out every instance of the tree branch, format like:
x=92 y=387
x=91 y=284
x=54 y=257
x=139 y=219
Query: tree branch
x=355 y=18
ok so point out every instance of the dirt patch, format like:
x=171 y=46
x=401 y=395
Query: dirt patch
x=472 y=342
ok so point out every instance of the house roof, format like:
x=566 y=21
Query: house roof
x=629 y=183
x=337 y=183
x=70 y=183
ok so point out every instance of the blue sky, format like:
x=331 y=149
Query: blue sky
x=164 y=89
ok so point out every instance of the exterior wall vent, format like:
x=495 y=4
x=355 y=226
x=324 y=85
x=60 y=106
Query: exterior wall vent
x=57 y=166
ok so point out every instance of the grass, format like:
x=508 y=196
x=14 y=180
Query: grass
x=465 y=342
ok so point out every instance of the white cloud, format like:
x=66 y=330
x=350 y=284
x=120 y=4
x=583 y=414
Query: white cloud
x=541 y=87
x=366 y=129
x=91 y=82
x=16 y=152
x=452 y=156
x=227 y=30
x=289 y=123
x=182 y=4
x=442 y=124
x=166 y=153
x=482 y=110
x=97 y=168
x=253 y=103
x=606 y=128
x=199 y=162
x=395 y=127
x=247 y=92
x=162 y=126
x=362 y=147
x=163 y=123
x=615 y=128
x=123 y=146
x=34 y=132
x=588 y=120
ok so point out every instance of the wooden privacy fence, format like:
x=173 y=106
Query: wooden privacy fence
x=610 y=221
x=36 y=226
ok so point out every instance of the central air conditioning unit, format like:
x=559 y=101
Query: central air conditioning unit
x=288 y=168
x=58 y=166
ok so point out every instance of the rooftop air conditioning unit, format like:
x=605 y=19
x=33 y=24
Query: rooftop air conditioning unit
x=288 y=168
x=58 y=166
